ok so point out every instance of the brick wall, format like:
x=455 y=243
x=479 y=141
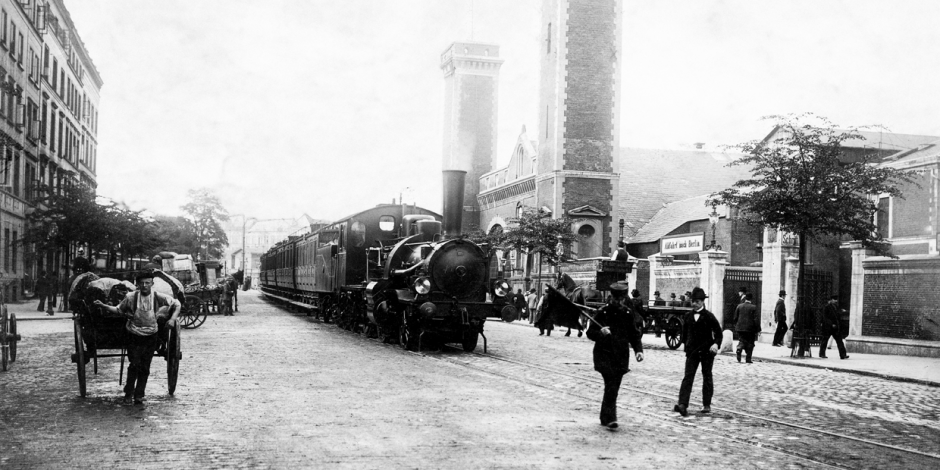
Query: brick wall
x=901 y=299
x=589 y=105
x=596 y=192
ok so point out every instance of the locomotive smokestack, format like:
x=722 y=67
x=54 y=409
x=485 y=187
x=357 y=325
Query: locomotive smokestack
x=453 y=202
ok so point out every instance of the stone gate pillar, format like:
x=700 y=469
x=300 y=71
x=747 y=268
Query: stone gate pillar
x=859 y=253
x=778 y=248
x=713 y=281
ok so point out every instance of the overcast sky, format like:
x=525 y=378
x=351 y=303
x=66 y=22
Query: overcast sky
x=328 y=107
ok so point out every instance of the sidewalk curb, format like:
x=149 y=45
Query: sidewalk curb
x=798 y=363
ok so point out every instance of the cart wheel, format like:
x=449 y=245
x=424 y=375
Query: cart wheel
x=173 y=356
x=195 y=313
x=673 y=332
x=13 y=337
x=80 y=357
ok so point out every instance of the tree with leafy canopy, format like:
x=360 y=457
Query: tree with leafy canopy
x=206 y=213
x=535 y=231
x=803 y=182
x=176 y=234
x=75 y=214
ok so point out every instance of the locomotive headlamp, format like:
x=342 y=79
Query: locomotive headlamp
x=501 y=288
x=422 y=285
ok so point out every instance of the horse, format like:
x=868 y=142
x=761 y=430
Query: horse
x=578 y=294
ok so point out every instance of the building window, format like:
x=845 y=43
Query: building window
x=12 y=39
x=3 y=28
x=13 y=250
x=6 y=249
x=883 y=217
x=19 y=50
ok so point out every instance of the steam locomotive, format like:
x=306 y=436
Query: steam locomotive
x=391 y=272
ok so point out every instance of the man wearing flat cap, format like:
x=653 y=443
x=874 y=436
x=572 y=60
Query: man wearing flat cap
x=614 y=332
x=780 y=316
x=701 y=334
x=144 y=310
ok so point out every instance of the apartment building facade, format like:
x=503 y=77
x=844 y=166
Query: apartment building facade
x=49 y=94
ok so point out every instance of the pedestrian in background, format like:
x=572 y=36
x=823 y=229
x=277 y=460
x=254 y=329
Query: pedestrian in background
x=657 y=300
x=42 y=291
x=518 y=301
x=614 y=332
x=687 y=299
x=830 y=327
x=64 y=287
x=532 y=303
x=53 y=291
x=780 y=316
x=747 y=324
x=639 y=307
x=543 y=321
x=702 y=335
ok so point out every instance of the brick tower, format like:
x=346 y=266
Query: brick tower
x=471 y=76
x=579 y=112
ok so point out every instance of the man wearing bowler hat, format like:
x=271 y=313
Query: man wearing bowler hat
x=780 y=316
x=702 y=335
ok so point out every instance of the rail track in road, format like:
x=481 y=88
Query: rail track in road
x=809 y=445
x=812 y=444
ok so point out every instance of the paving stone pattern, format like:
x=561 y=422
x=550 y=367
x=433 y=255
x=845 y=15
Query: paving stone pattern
x=270 y=388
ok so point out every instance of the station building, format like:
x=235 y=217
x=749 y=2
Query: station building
x=49 y=94
x=655 y=200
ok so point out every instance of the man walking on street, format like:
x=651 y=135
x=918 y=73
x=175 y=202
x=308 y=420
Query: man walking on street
x=747 y=324
x=830 y=327
x=43 y=291
x=702 y=334
x=145 y=310
x=780 y=316
x=614 y=332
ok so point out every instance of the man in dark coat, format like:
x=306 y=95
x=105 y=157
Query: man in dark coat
x=830 y=327
x=43 y=291
x=747 y=324
x=518 y=301
x=543 y=319
x=614 y=332
x=780 y=316
x=702 y=335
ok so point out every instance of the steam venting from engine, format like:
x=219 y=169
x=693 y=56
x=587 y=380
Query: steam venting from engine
x=453 y=202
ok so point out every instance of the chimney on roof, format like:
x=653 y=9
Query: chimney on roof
x=699 y=145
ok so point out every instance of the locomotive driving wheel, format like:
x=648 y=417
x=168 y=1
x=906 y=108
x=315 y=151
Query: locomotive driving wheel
x=673 y=332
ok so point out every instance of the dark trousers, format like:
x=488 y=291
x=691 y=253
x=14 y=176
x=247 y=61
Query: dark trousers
x=611 y=390
x=140 y=351
x=746 y=342
x=781 y=332
x=42 y=302
x=825 y=342
x=692 y=361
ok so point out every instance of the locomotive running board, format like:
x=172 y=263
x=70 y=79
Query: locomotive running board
x=294 y=302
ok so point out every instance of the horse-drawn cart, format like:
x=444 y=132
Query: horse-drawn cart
x=96 y=329
x=668 y=321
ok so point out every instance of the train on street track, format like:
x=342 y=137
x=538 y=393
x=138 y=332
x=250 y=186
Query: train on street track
x=396 y=272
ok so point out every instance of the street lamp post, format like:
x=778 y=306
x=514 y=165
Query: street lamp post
x=713 y=218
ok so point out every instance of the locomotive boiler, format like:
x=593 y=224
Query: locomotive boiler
x=401 y=275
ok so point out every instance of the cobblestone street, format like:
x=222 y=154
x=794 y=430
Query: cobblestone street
x=271 y=388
